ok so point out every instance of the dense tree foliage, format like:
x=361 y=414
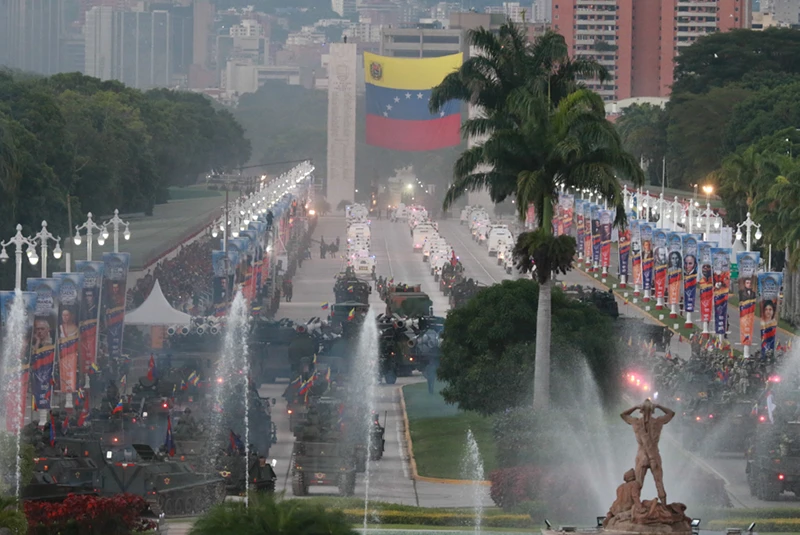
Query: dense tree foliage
x=488 y=351
x=104 y=145
x=290 y=122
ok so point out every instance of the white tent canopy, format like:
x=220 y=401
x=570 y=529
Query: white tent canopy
x=156 y=310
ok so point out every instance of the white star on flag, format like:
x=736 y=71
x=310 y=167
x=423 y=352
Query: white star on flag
x=419 y=95
x=397 y=99
x=388 y=106
x=441 y=114
x=385 y=114
x=408 y=95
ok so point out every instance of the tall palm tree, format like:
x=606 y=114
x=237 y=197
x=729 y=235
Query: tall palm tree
x=505 y=62
x=571 y=145
x=742 y=176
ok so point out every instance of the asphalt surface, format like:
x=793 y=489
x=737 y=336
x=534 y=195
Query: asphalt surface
x=390 y=478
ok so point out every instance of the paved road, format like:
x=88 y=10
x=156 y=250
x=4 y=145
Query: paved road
x=389 y=479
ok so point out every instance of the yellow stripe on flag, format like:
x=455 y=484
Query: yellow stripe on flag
x=409 y=73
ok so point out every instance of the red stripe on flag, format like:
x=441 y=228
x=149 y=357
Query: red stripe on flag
x=397 y=134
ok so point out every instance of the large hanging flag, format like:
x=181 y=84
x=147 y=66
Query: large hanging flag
x=398 y=95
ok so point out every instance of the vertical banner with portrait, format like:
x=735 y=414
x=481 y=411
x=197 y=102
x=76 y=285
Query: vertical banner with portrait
x=17 y=373
x=747 y=285
x=660 y=262
x=579 y=226
x=43 y=342
x=706 y=281
x=596 y=242
x=646 y=234
x=721 y=266
x=558 y=218
x=624 y=247
x=587 y=233
x=115 y=281
x=567 y=202
x=250 y=275
x=239 y=247
x=636 y=252
x=91 y=293
x=606 y=219
x=674 y=268
x=769 y=290
x=690 y=251
x=219 y=287
x=259 y=227
x=69 y=329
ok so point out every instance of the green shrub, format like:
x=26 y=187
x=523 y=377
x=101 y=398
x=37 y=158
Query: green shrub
x=763 y=525
x=426 y=518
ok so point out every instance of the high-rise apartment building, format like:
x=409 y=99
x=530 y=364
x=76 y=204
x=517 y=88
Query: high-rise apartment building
x=345 y=8
x=30 y=34
x=421 y=42
x=130 y=46
x=638 y=40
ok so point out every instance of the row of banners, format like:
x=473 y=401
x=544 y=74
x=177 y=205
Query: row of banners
x=675 y=265
x=64 y=317
x=246 y=260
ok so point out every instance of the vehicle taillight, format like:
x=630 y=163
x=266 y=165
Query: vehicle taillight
x=781 y=477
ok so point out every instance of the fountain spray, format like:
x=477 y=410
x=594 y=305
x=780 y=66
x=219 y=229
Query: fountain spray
x=10 y=383
x=472 y=469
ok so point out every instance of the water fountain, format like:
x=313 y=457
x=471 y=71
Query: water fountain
x=10 y=383
x=364 y=387
x=233 y=372
x=472 y=469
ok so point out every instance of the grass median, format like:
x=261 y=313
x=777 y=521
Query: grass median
x=439 y=433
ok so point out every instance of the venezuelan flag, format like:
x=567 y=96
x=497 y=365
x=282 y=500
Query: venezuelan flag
x=398 y=94
x=324 y=306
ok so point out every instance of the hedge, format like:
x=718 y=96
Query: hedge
x=727 y=514
x=763 y=525
x=439 y=519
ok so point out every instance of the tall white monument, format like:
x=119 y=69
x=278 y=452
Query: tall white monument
x=342 y=75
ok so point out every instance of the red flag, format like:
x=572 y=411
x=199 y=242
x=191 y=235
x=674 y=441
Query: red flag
x=84 y=410
x=454 y=260
x=151 y=369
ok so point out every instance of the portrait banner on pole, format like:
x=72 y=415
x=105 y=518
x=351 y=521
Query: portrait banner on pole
x=690 y=251
x=706 y=282
x=721 y=263
x=747 y=285
x=648 y=261
x=606 y=218
x=91 y=293
x=674 y=268
x=69 y=329
x=43 y=344
x=769 y=289
x=636 y=252
x=660 y=262
x=115 y=281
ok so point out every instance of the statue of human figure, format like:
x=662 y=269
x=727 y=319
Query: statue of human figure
x=647 y=430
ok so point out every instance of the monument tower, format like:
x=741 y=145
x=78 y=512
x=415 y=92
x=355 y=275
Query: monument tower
x=342 y=72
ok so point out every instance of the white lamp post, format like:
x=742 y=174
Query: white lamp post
x=18 y=241
x=42 y=237
x=90 y=226
x=748 y=224
x=708 y=214
x=116 y=222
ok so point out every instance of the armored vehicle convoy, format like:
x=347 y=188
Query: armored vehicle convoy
x=773 y=461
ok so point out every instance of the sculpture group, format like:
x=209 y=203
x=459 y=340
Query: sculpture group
x=629 y=512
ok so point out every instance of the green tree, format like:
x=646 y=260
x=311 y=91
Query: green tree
x=643 y=129
x=11 y=518
x=762 y=114
x=696 y=131
x=721 y=58
x=543 y=131
x=488 y=358
x=743 y=175
x=265 y=515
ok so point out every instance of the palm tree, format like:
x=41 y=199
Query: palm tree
x=743 y=175
x=505 y=62
x=265 y=515
x=571 y=146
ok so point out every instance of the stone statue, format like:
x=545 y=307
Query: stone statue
x=647 y=430
x=628 y=513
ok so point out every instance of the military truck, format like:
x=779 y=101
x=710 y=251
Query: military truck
x=409 y=301
x=348 y=314
x=276 y=348
x=773 y=461
x=463 y=291
x=450 y=276
x=349 y=288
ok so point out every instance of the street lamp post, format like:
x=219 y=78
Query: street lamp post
x=748 y=224
x=90 y=227
x=116 y=222
x=708 y=214
x=18 y=241
x=42 y=237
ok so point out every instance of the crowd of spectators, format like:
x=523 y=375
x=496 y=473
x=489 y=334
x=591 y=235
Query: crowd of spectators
x=185 y=279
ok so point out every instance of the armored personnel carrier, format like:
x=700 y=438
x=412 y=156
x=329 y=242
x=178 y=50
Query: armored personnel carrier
x=463 y=291
x=773 y=461
x=349 y=288
x=276 y=348
x=407 y=300
x=262 y=477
